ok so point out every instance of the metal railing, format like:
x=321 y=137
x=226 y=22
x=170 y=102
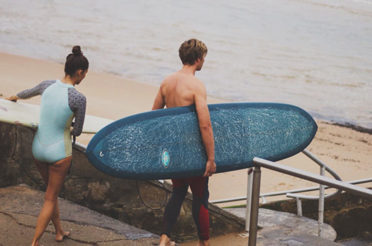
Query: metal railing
x=286 y=192
x=291 y=193
x=258 y=163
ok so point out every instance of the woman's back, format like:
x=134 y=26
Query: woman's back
x=55 y=114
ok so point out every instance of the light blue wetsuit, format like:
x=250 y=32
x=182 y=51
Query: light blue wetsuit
x=60 y=103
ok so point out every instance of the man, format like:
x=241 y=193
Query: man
x=183 y=89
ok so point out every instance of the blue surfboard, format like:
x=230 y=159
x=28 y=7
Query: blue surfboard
x=166 y=143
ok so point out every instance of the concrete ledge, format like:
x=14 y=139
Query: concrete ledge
x=281 y=228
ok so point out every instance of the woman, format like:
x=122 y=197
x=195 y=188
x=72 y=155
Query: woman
x=52 y=147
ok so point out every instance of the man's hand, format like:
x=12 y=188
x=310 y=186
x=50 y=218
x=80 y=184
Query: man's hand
x=210 y=168
x=12 y=98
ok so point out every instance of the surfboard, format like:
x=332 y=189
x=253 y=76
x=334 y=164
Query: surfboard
x=25 y=114
x=166 y=143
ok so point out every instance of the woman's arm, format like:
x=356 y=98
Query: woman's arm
x=35 y=91
x=77 y=103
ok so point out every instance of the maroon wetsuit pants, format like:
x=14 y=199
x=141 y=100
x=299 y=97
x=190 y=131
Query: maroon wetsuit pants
x=200 y=193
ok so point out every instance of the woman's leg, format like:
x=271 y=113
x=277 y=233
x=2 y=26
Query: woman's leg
x=56 y=175
x=60 y=234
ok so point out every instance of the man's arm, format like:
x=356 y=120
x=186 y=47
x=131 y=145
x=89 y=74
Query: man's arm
x=206 y=130
x=159 y=101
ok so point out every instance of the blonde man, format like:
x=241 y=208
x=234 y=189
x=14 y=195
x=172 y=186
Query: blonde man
x=179 y=89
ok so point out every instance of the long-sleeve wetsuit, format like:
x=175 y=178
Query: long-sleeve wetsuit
x=60 y=103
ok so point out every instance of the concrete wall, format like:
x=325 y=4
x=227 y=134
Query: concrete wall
x=139 y=203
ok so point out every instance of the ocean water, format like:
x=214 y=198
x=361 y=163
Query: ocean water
x=316 y=54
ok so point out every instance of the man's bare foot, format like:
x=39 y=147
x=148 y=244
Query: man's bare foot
x=165 y=241
x=203 y=243
x=61 y=236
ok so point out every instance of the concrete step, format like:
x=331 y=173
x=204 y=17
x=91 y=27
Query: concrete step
x=281 y=228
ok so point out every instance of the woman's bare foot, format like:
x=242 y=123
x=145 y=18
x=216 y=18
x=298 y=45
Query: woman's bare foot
x=36 y=243
x=165 y=241
x=61 y=236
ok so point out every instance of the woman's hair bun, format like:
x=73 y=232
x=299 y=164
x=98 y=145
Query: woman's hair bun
x=76 y=50
x=75 y=61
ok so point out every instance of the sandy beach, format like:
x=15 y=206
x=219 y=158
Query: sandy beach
x=345 y=150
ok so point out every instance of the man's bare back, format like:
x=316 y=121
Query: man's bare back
x=181 y=89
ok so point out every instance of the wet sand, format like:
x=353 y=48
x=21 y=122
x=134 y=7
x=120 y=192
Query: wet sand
x=345 y=150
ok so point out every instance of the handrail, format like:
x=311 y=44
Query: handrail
x=313 y=177
x=324 y=168
x=288 y=193
x=280 y=193
x=320 y=163
x=258 y=163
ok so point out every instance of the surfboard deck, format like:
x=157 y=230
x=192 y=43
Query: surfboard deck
x=166 y=143
x=25 y=114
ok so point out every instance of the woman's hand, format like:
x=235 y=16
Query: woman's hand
x=12 y=98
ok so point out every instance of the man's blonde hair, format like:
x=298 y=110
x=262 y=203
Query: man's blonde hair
x=191 y=50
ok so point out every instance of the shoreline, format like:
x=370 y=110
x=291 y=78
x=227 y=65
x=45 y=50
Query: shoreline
x=351 y=126
x=113 y=97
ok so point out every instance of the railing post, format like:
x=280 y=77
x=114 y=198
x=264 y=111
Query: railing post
x=321 y=204
x=249 y=199
x=255 y=204
x=299 y=206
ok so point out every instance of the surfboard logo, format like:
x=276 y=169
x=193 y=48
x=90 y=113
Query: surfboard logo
x=165 y=158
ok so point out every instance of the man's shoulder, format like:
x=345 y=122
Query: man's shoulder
x=172 y=76
x=197 y=83
x=187 y=80
x=168 y=79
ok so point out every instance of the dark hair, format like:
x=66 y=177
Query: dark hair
x=192 y=50
x=75 y=61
